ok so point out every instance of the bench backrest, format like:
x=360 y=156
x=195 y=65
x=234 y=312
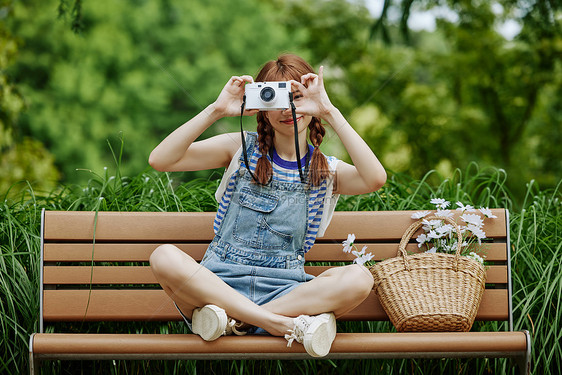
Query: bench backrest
x=112 y=281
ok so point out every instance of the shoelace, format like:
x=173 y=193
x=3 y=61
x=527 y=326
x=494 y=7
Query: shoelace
x=292 y=336
x=233 y=327
x=297 y=333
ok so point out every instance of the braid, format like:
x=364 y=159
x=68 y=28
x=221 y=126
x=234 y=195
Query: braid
x=319 y=169
x=264 y=170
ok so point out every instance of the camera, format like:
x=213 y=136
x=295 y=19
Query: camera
x=267 y=96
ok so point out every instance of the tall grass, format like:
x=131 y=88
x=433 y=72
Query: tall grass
x=536 y=237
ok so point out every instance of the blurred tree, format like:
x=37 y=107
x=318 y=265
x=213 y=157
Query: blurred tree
x=332 y=31
x=392 y=94
x=496 y=85
x=441 y=100
x=21 y=158
x=71 y=11
x=427 y=100
x=544 y=136
x=136 y=68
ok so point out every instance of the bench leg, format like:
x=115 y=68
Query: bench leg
x=33 y=363
x=524 y=363
x=34 y=366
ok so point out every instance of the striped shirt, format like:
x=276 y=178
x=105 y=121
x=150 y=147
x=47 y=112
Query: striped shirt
x=321 y=201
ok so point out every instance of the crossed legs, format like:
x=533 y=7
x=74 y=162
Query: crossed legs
x=191 y=285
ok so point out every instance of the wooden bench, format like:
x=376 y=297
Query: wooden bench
x=123 y=288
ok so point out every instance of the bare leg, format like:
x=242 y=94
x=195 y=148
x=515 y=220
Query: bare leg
x=191 y=285
x=337 y=290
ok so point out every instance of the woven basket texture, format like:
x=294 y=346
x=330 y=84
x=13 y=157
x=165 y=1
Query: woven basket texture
x=429 y=292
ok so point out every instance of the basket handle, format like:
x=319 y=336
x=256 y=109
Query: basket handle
x=415 y=226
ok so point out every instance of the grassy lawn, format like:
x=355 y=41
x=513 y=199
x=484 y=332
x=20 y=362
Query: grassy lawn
x=536 y=238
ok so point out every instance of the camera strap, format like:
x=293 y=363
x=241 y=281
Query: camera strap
x=245 y=152
x=293 y=111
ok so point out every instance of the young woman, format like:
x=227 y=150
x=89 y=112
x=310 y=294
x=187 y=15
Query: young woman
x=252 y=274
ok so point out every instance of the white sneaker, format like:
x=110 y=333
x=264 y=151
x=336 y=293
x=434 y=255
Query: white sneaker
x=209 y=322
x=331 y=318
x=316 y=333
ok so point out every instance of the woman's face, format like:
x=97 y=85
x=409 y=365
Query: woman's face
x=282 y=121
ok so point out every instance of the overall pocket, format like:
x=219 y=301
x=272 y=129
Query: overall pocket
x=255 y=223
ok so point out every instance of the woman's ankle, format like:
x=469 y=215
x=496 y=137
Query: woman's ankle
x=278 y=325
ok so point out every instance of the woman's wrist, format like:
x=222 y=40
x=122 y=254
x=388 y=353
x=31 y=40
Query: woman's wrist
x=212 y=113
x=334 y=117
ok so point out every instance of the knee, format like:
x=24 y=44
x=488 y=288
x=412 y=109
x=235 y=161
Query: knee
x=358 y=280
x=164 y=260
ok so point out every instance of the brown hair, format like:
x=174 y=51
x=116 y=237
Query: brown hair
x=285 y=68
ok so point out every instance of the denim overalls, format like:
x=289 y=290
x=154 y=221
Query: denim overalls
x=258 y=248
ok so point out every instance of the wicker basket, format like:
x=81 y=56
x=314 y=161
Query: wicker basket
x=429 y=291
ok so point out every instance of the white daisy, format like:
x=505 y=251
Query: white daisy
x=420 y=214
x=440 y=203
x=422 y=238
x=444 y=213
x=434 y=235
x=477 y=231
x=445 y=229
x=452 y=247
x=476 y=257
x=488 y=213
x=473 y=219
x=348 y=244
x=463 y=208
x=363 y=258
x=429 y=225
x=359 y=253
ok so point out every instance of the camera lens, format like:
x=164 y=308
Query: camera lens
x=267 y=94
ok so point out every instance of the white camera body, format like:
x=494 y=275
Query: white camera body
x=268 y=96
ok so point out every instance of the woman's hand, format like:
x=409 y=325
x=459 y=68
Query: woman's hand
x=311 y=98
x=180 y=152
x=229 y=101
x=366 y=174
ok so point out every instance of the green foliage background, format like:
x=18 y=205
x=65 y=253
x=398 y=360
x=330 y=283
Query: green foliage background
x=138 y=69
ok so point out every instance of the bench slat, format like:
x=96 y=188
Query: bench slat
x=154 y=304
x=135 y=252
x=383 y=225
x=193 y=226
x=143 y=274
x=447 y=342
x=132 y=226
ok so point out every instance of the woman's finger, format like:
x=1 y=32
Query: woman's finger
x=302 y=109
x=308 y=77
x=247 y=78
x=234 y=81
x=299 y=86
x=241 y=80
x=250 y=112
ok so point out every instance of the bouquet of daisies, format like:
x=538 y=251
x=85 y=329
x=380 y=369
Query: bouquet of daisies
x=439 y=235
